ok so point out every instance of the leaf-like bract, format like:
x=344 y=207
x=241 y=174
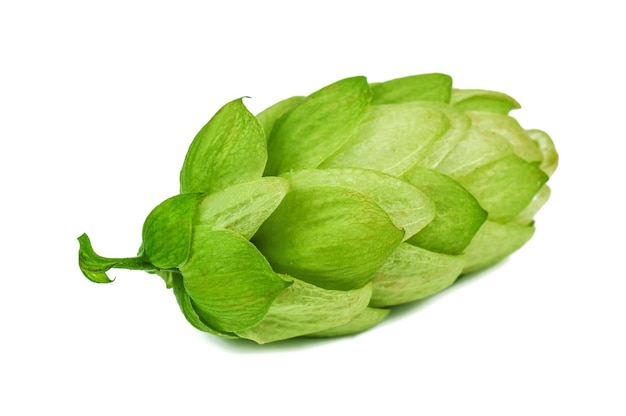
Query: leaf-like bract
x=228 y=150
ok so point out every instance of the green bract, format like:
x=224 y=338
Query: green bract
x=315 y=216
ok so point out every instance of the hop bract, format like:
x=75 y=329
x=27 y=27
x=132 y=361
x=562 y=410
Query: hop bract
x=320 y=213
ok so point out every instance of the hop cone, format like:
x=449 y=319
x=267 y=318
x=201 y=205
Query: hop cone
x=320 y=213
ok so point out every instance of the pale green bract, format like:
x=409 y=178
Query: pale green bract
x=317 y=215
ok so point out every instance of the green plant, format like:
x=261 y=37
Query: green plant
x=315 y=216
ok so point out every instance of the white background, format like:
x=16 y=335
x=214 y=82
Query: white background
x=98 y=103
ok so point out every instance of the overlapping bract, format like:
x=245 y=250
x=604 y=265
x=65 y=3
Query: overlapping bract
x=315 y=216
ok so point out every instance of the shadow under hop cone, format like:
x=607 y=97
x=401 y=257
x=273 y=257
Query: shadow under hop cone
x=315 y=216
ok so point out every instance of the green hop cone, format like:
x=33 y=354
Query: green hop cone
x=320 y=213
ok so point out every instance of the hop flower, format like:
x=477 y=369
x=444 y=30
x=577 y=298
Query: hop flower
x=320 y=213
